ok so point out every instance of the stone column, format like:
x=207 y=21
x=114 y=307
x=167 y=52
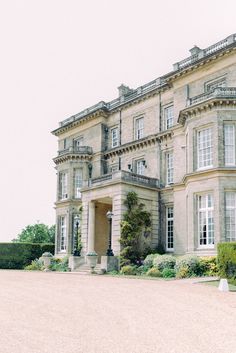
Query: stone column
x=91 y=226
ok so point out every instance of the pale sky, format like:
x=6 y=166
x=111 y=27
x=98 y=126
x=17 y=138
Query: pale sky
x=59 y=57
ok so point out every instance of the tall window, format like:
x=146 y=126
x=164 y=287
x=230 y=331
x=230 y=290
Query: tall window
x=204 y=148
x=63 y=185
x=169 y=168
x=78 y=142
x=140 y=167
x=63 y=236
x=170 y=228
x=139 y=127
x=78 y=182
x=230 y=216
x=169 y=116
x=205 y=220
x=229 y=142
x=114 y=137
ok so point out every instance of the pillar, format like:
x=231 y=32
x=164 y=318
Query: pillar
x=91 y=226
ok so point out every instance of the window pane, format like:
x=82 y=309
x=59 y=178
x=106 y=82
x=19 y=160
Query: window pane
x=229 y=142
x=78 y=178
x=205 y=220
x=170 y=228
x=114 y=137
x=139 y=127
x=230 y=216
x=169 y=168
x=169 y=116
x=204 y=143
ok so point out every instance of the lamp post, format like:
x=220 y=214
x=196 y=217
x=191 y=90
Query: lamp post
x=109 y=217
x=76 y=248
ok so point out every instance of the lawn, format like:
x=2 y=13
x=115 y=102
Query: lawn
x=232 y=288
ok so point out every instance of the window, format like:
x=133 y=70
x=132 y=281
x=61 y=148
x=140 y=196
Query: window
x=114 y=168
x=168 y=117
x=204 y=148
x=139 y=126
x=205 y=220
x=63 y=237
x=114 y=137
x=63 y=186
x=170 y=228
x=210 y=86
x=229 y=142
x=169 y=168
x=78 y=142
x=78 y=182
x=140 y=167
x=230 y=216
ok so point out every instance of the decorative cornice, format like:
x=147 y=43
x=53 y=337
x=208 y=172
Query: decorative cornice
x=210 y=104
x=72 y=157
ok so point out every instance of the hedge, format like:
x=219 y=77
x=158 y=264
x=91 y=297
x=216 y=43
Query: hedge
x=18 y=255
x=227 y=261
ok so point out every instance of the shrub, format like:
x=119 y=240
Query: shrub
x=168 y=273
x=227 y=261
x=154 y=272
x=36 y=265
x=19 y=255
x=128 y=270
x=164 y=261
x=142 y=270
x=60 y=264
x=149 y=260
x=209 y=266
x=182 y=272
x=190 y=265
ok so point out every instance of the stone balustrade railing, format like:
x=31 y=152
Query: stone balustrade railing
x=201 y=53
x=129 y=177
x=219 y=92
x=76 y=150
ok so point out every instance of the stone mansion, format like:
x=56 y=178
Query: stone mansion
x=172 y=141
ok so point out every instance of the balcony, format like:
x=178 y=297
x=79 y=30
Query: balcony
x=76 y=150
x=122 y=175
x=219 y=93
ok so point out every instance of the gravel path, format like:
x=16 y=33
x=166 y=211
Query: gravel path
x=71 y=313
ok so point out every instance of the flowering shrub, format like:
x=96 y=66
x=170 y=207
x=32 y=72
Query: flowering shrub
x=149 y=260
x=209 y=266
x=164 y=261
x=188 y=264
x=154 y=272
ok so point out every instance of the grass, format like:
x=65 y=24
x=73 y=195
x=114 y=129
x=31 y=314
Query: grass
x=232 y=288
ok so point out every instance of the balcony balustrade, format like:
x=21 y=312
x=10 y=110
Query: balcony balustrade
x=76 y=150
x=219 y=92
x=123 y=175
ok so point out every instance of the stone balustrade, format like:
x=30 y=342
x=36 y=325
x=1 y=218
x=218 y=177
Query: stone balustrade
x=219 y=92
x=76 y=150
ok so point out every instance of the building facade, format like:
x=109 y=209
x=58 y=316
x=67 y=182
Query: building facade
x=172 y=141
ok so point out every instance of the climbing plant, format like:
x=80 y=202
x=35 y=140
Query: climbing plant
x=135 y=227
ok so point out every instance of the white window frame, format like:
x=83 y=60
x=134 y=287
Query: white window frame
x=230 y=216
x=205 y=221
x=63 y=185
x=229 y=144
x=203 y=136
x=140 y=166
x=114 y=137
x=139 y=128
x=168 y=116
x=169 y=229
x=63 y=233
x=169 y=168
x=78 y=182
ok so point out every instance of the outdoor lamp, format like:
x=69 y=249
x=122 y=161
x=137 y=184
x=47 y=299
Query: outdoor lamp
x=109 y=215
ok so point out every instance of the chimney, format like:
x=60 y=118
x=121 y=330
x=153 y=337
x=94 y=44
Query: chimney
x=124 y=90
x=195 y=50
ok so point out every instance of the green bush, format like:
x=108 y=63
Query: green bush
x=208 y=265
x=142 y=270
x=168 y=273
x=128 y=270
x=19 y=255
x=60 y=265
x=226 y=259
x=148 y=262
x=188 y=264
x=36 y=265
x=164 y=261
x=154 y=272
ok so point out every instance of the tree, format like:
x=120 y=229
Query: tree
x=135 y=227
x=36 y=233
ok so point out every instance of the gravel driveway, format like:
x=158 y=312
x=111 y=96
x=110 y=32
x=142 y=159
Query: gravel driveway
x=72 y=313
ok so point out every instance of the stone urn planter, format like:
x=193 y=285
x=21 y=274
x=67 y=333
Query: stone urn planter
x=46 y=259
x=92 y=259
